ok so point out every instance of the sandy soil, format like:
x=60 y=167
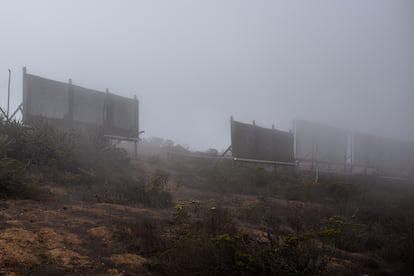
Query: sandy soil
x=51 y=238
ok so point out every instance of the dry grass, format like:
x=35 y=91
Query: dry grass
x=192 y=216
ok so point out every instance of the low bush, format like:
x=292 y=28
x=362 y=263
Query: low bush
x=45 y=149
x=148 y=191
x=345 y=235
x=141 y=235
x=207 y=241
x=94 y=152
x=16 y=183
x=44 y=145
x=226 y=178
x=40 y=144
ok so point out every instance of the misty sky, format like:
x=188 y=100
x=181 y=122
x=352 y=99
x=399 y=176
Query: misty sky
x=193 y=64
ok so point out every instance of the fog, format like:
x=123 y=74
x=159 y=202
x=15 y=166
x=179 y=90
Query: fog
x=193 y=64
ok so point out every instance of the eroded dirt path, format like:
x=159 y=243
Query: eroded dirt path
x=52 y=238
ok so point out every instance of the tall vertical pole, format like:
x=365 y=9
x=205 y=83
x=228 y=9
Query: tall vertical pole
x=231 y=140
x=352 y=156
x=294 y=140
x=107 y=112
x=70 y=115
x=8 y=96
x=25 y=97
x=231 y=133
x=256 y=145
x=136 y=126
x=313 y=153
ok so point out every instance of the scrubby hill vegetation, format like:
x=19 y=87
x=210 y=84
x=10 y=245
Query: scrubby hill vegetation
x=73 y=203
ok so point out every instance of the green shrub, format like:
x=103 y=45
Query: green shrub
x=345 y=235
x=44 y=145
x=93 y=151
x=15 y=182
x=229 y=179
x=40 y=144
x=208 y=242
x=141 y=235
x=148 y=191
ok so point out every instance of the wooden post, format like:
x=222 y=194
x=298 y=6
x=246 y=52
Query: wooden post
x=26 y=97
x=294 y=139
x=107 y=113
x=70 y=115
x=136 y=126
x=8 y=96
x=313 y=155
x=256 y=145
x=136 y=117
x=231 y=135
x=19 y=108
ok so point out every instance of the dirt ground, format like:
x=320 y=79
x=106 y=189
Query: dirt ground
x=69 y=235
x=49 y=239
